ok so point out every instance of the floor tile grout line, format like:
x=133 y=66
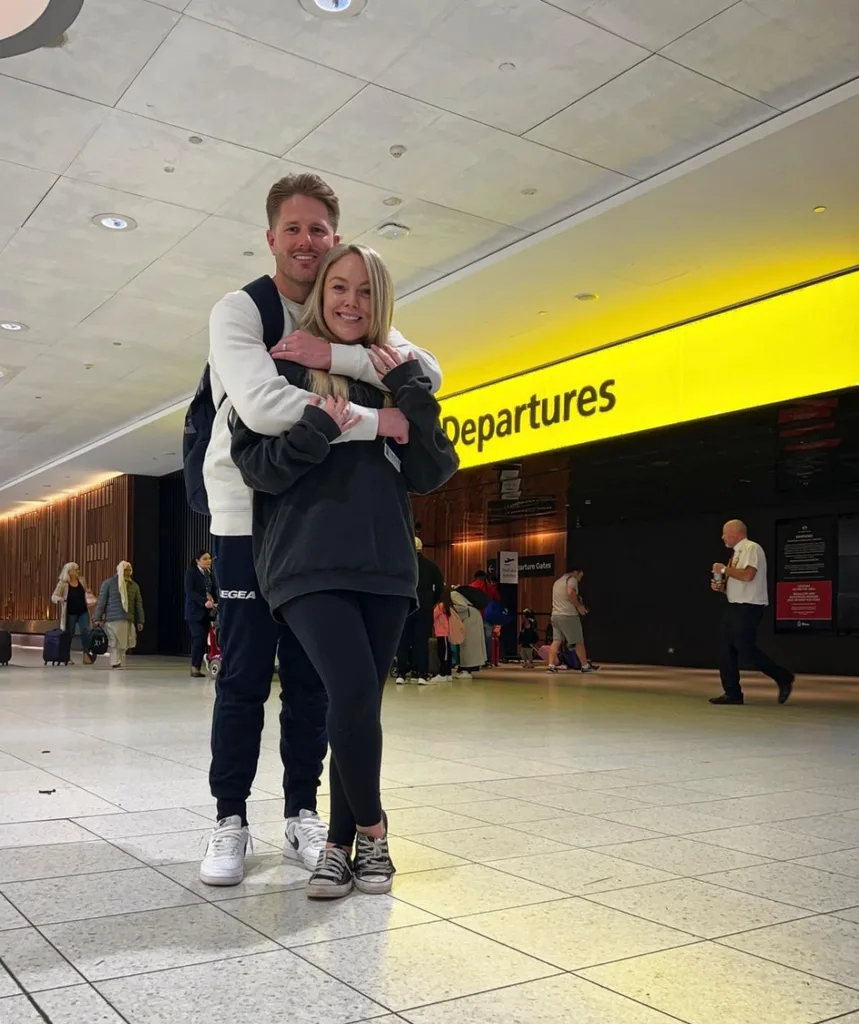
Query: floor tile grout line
x=4 y=966
x=790 y=967
x=623 y=995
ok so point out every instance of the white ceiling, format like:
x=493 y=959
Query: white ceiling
x=590 y=111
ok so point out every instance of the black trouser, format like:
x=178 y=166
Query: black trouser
x=249 y=640
x=739 y=642
x=199 y=630
x=350 y=638
x=444 y=655
x=413 y=649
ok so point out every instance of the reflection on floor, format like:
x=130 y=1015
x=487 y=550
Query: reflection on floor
x=604 y=851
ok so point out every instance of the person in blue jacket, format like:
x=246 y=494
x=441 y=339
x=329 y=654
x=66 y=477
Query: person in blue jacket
x=200 y=603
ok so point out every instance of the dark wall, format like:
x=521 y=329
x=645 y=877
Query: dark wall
x=647 y=586
x=182 y=533
x=646 y=515
x=144 y=557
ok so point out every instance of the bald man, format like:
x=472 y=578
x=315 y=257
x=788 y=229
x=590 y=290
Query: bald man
x=743 y=581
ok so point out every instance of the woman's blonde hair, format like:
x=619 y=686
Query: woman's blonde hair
x=381 y=313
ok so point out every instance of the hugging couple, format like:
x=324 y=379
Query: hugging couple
x=317 y=441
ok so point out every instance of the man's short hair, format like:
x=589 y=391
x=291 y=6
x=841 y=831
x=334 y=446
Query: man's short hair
x=304 y=184
x=480 y=574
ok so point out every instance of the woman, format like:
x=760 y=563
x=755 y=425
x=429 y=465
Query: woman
x=74 y=598
x=334 y=545
x=120 y=609
x=199 y=605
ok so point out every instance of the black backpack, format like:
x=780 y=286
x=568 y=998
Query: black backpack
x=200 y=417
x=98 y=642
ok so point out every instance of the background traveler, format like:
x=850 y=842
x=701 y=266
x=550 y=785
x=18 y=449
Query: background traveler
x=74 y=598
x=200 y=605
x=120 y=608
x=567 y=614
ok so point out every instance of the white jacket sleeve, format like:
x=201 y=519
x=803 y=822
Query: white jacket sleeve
x=353 y=361
x=266 y=402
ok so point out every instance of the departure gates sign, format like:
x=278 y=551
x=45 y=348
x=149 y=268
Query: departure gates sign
x=803 y=342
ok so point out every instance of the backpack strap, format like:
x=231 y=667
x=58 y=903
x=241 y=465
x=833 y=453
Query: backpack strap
x=266 y=298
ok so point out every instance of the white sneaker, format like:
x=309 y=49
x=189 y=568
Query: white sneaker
x=306 y=837
x=439 y=679
x=424 y=682
x=400 y=681
x=464 y=675
x=224 y=863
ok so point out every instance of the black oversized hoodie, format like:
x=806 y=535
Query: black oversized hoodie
x=337 y=516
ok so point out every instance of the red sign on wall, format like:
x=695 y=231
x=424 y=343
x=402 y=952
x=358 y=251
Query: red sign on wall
x=809 y=600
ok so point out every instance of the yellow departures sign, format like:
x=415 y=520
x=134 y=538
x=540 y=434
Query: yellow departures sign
x=802 y=342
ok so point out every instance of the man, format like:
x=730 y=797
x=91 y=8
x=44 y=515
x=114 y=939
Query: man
x=744 y=583
x=413 y=654
x=567 y=614
x=303 y=214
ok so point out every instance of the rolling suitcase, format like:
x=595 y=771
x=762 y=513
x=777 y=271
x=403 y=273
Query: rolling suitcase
x=5 y=647
x=57 y=648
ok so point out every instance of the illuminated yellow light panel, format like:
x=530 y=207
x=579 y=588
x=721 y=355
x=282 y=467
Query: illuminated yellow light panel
x=803 y=342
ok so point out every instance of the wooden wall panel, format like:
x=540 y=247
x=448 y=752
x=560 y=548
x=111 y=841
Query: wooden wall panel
x=92 y=528
x=455 y=532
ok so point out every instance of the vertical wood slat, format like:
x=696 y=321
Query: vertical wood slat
x=92 y=528
x=455 y=533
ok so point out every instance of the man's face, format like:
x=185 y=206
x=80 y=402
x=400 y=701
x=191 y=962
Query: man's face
x=730 y=536
x=300 y=237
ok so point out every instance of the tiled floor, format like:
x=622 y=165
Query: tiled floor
x=601 y=851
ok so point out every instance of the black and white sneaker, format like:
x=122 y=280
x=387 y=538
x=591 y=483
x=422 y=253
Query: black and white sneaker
x=590 y=667
x=374 y=869
x=332 y=877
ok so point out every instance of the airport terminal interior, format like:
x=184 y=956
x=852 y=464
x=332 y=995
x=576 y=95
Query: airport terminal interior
x=628 y=233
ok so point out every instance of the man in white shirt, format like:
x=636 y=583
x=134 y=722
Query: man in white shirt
x=744 y=583
x=303 y=214
x=567 y=614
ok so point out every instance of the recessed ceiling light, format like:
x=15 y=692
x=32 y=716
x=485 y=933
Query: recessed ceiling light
x=397 y=151
x=195 y=140
x=38 y=398
x=333 y=8
x=248 y=252
x=528 y=191
x=118 y=344
x=169 y=168
x=88 y=366
x=587 y=296
x=114 y=222
x=507 y=66
x=13 y=325
x=393 y=231
x=542 y=312
x=820 y=209
x=392 y=201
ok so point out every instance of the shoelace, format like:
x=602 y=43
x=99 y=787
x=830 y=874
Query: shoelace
x=315 y=829
x=373 y=856
x=226 y=842
x=333 y=863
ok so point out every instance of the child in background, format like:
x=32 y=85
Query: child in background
x=441 y=631
x=528 y=638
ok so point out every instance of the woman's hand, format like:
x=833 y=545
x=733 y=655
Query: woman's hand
x=340 y=410
x=386 y=358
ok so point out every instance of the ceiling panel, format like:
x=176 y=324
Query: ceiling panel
x=439 y=237
x=22 y=189
x=208 y=80
x=57 y=125
x=61 y=240
x=129 y=319
x=652 y=23
x=139 y=155
x=652 y=117
x=176 y=281
x=109 y=43
x=449 y=160
x=219 y=244
x=361 y=205
x=363 y=47
x=509 y=64
x=780 y=51
x=26 y=299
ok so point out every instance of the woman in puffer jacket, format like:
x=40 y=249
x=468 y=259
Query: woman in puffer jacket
x=120 y=609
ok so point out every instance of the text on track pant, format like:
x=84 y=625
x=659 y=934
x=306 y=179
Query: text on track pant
x=739 y=643
x=249 y=640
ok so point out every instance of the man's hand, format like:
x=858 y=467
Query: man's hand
x=719 y=588
x=304 y=349
x=340 y=411
x=139 y=627
x=393 y=424
x=386 y=358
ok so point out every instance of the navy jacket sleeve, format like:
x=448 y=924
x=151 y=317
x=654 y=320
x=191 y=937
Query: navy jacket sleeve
x=429 y=459
x=195 y=593
x=273 y=465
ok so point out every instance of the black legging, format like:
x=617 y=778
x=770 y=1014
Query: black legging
x=350 y=638
x=199 y=629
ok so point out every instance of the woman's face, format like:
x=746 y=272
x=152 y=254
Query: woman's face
x=205 y=561
x=74 y=571
x=346 y=299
